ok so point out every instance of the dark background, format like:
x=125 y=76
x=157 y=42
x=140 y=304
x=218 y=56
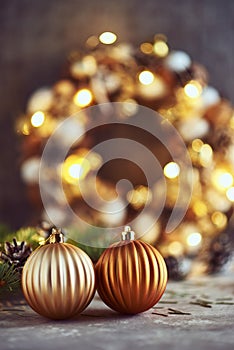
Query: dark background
x=36 y=36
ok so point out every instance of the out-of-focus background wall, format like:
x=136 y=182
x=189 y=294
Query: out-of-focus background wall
x=36 y=37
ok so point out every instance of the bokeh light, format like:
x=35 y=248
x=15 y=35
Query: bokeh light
x=83 y=98
x=37 y=119
x=194 y=239
x=230 y=194
x=107 y=38
x=146 y=77
x=193 y=89
x=161 y=48
x=171 y=170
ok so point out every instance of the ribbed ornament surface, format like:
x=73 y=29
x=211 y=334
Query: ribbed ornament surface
x=58 y=280
x=132 y=276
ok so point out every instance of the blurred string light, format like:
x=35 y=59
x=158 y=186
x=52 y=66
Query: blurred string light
x=83 y=98
x=75 y=168
x=139 y=197
x=193 y=89
x=171 y=170
x=146 y=77
x=176 y=248
x=92 y=42
x=200 y=208
x=25 y=129
x=197 y=145
x=161 y=48
x=219 y=219
x=146 y=48
x=167 y=81
x=206 y=155
x=107 y=38
x=37 y=119
x=85 y=67
x=222 y=179
x=230 y=194
x=225 y=180
x=23 y=126
x=194 y=239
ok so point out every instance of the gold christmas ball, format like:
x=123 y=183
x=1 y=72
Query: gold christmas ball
x=131 y=275
x=58 y=279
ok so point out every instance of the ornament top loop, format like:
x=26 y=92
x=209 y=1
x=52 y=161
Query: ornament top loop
x=128 y=234
x=56 y=236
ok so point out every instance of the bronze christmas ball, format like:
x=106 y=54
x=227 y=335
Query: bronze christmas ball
x=131 y=275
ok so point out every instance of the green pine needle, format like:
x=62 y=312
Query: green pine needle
x=4 y=232
x=93 y=236
x=9 y=278
x=93 y=252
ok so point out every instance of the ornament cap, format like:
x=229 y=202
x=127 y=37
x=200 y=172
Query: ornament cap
x=128 y=234
x=56 y=236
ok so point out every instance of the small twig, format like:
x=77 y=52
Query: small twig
x=157 y=307
x=205 y=301
x=12 y=310
x=91 y=315
x=21 y=315
x=224 y=299
x=200 y=304
x=223 y=303
x=178 y=312
x=159 y=314
x=168 y=302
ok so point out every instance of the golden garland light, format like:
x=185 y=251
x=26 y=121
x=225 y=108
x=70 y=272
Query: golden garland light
x=168 y=82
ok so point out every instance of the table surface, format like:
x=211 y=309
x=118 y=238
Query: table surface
x=200 y=325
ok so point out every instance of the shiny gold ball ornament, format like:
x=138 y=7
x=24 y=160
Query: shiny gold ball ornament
x=131 y=275
x=58 y=279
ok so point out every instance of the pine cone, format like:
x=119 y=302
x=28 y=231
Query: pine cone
x=16 y=254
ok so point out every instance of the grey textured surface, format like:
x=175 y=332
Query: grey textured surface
x=100 y=328
x=36 y=36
